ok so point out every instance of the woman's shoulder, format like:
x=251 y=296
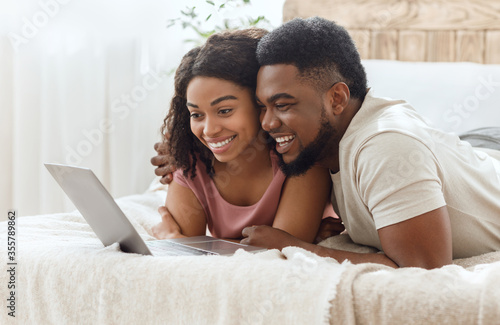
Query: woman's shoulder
x=200 y=178
x=275 y=162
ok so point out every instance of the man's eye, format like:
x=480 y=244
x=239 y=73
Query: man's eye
x=282 y=107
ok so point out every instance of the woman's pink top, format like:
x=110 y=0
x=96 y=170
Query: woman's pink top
x=226 y=220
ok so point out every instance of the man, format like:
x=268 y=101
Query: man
x=421 y=196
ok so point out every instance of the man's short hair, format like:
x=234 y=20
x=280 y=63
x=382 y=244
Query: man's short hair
x=322 y=51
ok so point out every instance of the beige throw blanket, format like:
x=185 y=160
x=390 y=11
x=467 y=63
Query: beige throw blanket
x=467 y=292
x=65 y=276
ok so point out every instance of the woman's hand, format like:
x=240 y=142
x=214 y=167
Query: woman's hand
x=168 y=227
x=268 y=237
x=329 y=227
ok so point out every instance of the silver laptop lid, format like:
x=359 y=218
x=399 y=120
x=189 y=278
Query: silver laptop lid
x=98 y=207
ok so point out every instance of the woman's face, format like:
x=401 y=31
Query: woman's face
x=223 y=116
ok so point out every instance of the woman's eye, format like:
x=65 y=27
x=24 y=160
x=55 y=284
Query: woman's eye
x=225 y=111
x=195 y=115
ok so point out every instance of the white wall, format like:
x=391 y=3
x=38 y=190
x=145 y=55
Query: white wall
x=87 y=83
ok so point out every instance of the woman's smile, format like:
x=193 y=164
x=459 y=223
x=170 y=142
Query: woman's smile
x=220 y=145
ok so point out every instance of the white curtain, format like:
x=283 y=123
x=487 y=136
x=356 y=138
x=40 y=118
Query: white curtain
x=84 y=83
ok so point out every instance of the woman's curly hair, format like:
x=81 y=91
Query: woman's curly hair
x=227 y=55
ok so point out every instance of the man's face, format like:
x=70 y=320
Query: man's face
x=293 y=112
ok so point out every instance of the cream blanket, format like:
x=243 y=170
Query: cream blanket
x=65 y=276
x=467 y=292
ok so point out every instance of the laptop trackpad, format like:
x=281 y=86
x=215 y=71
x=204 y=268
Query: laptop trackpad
x=168 y=248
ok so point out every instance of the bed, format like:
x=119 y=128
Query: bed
x=63 y=275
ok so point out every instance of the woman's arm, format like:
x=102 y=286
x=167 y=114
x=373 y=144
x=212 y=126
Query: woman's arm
x=302 y=204
x=182 y=216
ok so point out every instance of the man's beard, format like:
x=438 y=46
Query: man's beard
x=311 y=154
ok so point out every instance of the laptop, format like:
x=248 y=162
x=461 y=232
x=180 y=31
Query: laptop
x=111 y=225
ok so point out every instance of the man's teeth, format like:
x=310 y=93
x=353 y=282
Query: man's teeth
x=222 y=143
x=283 y=140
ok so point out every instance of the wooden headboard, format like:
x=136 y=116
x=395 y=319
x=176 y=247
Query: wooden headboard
x=413 y=30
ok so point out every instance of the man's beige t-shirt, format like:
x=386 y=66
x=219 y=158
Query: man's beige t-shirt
x=394 y=166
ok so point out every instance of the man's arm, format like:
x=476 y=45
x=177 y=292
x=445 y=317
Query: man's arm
x=423 y=241
x=268 y=237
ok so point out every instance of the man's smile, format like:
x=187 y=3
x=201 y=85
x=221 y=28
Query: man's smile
x=284 y=142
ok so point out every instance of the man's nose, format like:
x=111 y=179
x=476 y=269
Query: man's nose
x=269 y=121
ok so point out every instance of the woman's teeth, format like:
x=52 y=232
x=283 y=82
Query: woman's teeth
x=284 y=140
x=222 y=143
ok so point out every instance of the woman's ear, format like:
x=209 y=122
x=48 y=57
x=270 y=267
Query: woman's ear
x=338 y=96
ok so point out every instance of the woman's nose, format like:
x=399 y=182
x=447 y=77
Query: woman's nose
x=211 y=127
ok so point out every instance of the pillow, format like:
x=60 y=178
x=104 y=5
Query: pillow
x=454 y=96
x=483 y=138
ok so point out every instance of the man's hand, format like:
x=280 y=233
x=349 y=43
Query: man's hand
x=329 y=227
x=168 y=228
x=165 y=168
x=268 y=237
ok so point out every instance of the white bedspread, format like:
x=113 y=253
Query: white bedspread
x=467 y=292
x=65 y=276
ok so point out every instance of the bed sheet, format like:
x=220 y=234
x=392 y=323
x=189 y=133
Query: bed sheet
x=65 y=276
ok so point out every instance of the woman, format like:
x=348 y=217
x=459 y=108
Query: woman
x=228 y=175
